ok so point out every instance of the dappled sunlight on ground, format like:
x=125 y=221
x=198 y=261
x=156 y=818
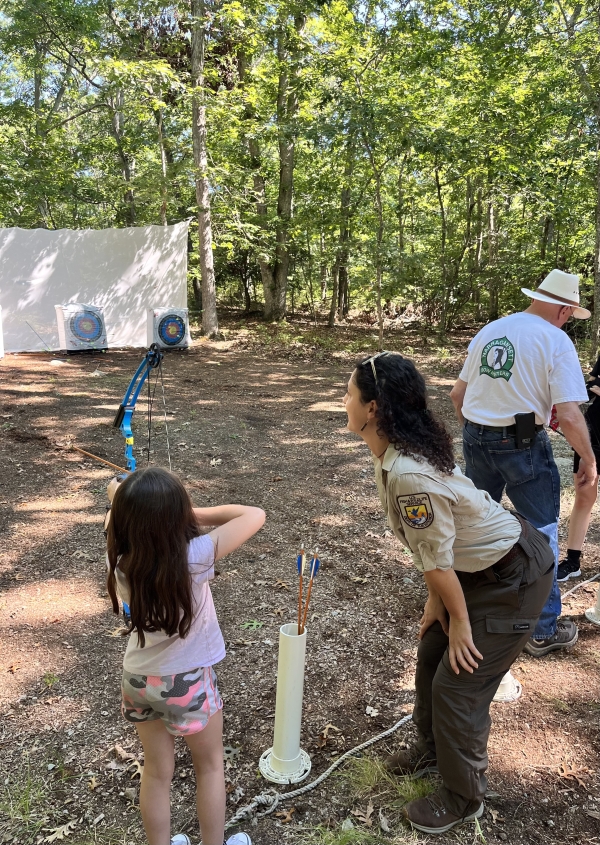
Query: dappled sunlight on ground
x=261 y=424
x=331 y=407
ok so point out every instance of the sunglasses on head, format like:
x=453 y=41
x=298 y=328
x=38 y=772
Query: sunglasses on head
x=372 y=360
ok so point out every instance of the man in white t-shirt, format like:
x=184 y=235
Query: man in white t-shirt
x=522 y=365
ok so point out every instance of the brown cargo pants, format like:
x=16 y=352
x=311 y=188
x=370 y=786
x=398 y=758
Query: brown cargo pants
x=452 y=712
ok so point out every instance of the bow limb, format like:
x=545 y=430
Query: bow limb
x=122 y=420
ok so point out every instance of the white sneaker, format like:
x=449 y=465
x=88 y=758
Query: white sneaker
x=181 y=839
x=239 y=839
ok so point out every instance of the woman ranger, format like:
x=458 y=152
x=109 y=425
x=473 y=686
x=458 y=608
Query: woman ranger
x=488 y=573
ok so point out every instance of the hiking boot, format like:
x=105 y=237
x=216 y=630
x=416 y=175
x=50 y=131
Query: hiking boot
x=567 y=569
x=239 y=839
x=412 y=762
x=430 y=815
x=566 y=636
x=181 y=839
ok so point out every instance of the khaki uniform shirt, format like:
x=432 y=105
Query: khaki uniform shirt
x=444 y=520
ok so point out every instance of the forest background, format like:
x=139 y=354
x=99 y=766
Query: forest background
x=424 y=158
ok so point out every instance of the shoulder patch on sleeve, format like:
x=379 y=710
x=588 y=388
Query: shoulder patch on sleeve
x=416 y=510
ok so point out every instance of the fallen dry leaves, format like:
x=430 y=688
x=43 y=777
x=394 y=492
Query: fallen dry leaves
x=568 y=772
x=60 y=832
x=123 y=755
x=286 y=815
x=138 y=769
x=365 y=816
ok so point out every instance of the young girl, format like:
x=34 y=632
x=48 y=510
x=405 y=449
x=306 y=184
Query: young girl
x=585 y=497
x=160 y=565
x=487 y=572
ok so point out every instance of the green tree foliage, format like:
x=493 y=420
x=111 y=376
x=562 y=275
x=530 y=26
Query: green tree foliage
x=432 y=155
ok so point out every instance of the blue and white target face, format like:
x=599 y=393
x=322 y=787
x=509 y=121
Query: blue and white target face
x=171 y=330
x=86 y=326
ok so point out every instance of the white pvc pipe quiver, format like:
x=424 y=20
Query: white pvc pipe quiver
x=509 y=690
x=286 y=762
x=593 y=614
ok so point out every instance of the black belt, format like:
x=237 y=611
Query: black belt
x=502 y=429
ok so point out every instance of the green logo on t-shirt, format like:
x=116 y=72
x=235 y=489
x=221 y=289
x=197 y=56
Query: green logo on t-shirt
x=497 y=359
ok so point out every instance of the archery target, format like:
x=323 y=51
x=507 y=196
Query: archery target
x=80 y=327
x=86 y=326
x=169 y=328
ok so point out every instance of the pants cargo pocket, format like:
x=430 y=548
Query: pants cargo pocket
x=502 y=625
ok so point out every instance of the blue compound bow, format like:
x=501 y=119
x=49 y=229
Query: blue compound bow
x=152 y=361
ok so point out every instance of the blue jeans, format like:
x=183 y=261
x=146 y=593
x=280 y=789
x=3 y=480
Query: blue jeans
x=532 y=483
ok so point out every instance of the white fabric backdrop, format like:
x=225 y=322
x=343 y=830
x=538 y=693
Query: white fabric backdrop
x=124 y=271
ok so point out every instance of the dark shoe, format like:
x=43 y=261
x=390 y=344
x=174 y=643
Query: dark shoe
x=431 y=816
x=411 y=762
x=566 y=636
x=567 y=569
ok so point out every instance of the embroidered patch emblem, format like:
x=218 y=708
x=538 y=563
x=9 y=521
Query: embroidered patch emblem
x=497 y=359
x=416 y=510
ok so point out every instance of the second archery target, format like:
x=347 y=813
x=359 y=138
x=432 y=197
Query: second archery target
x=169 y=328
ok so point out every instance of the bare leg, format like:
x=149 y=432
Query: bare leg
x=207 y=753
x=155 y=789
x=580 y=515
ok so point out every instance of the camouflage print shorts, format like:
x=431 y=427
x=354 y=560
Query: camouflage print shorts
x=184 y=702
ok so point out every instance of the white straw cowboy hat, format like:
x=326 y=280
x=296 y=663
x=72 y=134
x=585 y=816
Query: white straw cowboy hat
x=560 y=288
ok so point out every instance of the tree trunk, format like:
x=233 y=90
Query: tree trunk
x=444 y=235
x=589 y=88
x=343 y=295
x=246 y=281
x=260 y=194
x=287 y=108
x=116 y=106
x=339 y=272
x=377 y=173
x=596 y=314
x=158 y=116
x=322 y=266
x=401 y=212
x=40 y=52
x=191 y=262
x=379 y=274
x=309 y=276
x=335 y=279
x=492 y=261
x=476 y=270
x=210 y=323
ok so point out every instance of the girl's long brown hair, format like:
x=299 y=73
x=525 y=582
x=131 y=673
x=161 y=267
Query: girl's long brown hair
x=151 y=524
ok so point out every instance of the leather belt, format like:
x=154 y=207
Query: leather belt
x=501 y=429
x=492 y=573
x=510 y=555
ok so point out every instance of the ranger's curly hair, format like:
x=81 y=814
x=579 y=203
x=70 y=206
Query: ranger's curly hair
x=402 y=413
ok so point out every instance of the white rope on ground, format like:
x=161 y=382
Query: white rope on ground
x=583 y=583
x=272 y=798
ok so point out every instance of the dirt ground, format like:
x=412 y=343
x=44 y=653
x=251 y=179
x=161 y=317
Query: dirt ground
x=253 y=418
